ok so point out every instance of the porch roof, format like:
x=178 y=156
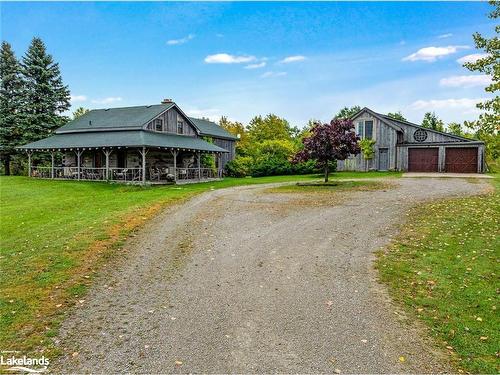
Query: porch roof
x=126 y=138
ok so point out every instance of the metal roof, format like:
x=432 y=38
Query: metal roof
x=210 y=128
x=126 y=138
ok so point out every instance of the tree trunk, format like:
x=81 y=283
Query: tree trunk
x=6 y=165
x=326 y=173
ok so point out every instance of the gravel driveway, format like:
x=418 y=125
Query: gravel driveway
x=243 y=280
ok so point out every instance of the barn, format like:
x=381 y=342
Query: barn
x=404 y=146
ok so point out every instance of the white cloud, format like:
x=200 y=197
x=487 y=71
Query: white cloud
x=108 y=100
x=466 y=81
x=256 y=66
x=444 y=36
x=212 y=113
x=431 y=54
x=78 y=98
x=272 y=74
x=224 y=58
x=173 y=42
x=472 y=58
x=467 y=105
x=291 y=59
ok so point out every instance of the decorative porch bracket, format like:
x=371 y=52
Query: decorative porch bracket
x=107 y=153
x=79 y=161
x=143 y=153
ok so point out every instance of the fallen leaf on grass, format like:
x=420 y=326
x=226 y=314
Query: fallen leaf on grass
x=402 y=359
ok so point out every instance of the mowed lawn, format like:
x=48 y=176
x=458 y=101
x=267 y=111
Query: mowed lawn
x=54 y=235
x=444 y=269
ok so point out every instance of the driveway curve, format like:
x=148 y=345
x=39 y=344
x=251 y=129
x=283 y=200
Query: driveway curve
x=242 y=280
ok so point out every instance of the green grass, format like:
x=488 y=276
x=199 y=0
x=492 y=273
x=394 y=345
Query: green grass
x=371 y=174
x=330 y=187
x=55 y=234
x=444 y=269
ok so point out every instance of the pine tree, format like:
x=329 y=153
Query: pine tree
x=46 y=96
x=11 y=88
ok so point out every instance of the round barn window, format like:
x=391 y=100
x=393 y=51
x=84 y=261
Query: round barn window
x=420 y=135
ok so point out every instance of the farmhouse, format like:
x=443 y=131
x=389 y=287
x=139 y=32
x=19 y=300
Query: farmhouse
x=153 y=143
x=401 y=145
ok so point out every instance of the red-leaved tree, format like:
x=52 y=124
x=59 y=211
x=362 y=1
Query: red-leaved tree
x=328 y=142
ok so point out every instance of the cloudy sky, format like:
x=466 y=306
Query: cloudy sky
x=298 y=60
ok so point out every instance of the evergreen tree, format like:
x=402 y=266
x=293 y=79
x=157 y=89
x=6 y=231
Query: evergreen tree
x=431 y=121
x=46 y=96
x=11 y=88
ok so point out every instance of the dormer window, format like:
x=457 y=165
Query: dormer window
x=158 y=125
x=180 y=127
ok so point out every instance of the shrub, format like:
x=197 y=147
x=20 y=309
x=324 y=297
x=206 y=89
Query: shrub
x=239 y=167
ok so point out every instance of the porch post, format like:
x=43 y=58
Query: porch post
x=52 y=165
x=29 y=162
x=174 y=154
x=219 y=165
x=106 y=154
x=143 y=153
x=199 y=165
x=78 y=161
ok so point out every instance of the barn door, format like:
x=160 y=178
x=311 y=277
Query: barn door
x=461 y=160
x=383 y=159
x=423 y=159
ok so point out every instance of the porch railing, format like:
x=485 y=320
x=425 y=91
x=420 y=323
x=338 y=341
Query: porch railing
x=125 y=174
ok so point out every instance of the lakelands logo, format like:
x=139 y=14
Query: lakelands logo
x=23 y=364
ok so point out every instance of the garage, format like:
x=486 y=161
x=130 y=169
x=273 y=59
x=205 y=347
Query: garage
x=423 y=159
x=461 y=159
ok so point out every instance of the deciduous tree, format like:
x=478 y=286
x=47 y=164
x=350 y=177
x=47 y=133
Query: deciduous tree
x=79 y=112
x=347 y=112
x=431 y=121
x=329 y=142
x=489 y=121
x=397 y=116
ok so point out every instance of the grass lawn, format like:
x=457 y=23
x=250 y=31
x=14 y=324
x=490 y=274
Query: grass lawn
x=444 y=269
x=54 y=235
x=330 y=187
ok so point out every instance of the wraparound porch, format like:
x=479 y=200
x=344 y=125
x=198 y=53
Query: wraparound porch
x=128 y=165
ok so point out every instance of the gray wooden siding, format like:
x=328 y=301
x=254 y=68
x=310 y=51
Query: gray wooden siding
x=170 y=123
x=385 y=137
x=228 y=145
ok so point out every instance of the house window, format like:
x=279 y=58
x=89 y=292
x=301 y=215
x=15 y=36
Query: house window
x=360 y=129
x=159 y=125
x=369 y=129
x=180 y=127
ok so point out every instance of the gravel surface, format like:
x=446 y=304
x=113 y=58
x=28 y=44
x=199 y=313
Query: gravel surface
x=242 y=280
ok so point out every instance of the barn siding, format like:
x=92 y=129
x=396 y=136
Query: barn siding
x=170 y=118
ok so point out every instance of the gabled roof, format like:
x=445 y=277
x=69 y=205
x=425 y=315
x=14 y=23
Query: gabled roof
x=210 y=128
x=115 y=118
x=125 y=138
x=395 y=123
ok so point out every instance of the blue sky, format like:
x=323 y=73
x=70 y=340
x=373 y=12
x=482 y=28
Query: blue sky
x=298 y=60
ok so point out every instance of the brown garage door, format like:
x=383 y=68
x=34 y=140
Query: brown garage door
x=423 y=159
x=461 y=160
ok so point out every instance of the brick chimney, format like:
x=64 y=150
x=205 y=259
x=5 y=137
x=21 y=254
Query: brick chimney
x=166 y=101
